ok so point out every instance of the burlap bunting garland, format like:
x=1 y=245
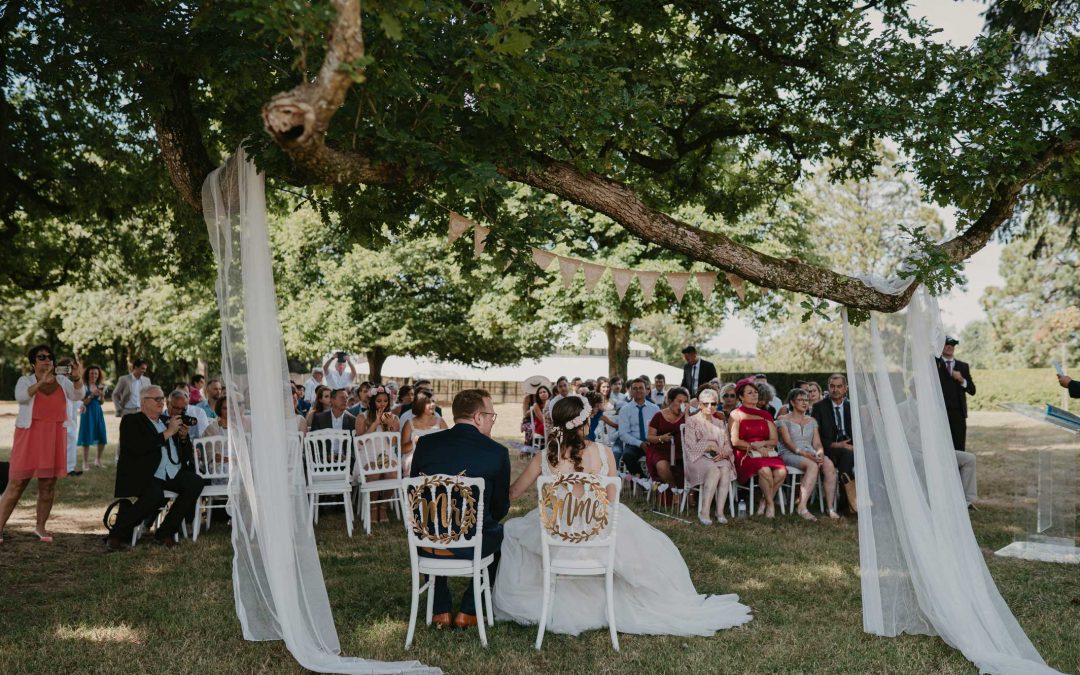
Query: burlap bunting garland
x=593 y=272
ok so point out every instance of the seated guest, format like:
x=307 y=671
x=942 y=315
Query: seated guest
x=766 y=396
x=404 y=400
x=800 y=448
x=616 y=396
x=195 y=388
x=753 y=435
x=833 y=416
x=379 y=417
x=728 y=400
x=202 y=421
x=468 y=448
x=321 y=404
x=155 y=455
x=220 y=425
x=336 y=417
x=599 y=422
x=315 y=380
x=663 y=432
x=710 y=455
x=425 y=384
x=657 y=394
x=633 y=427
x=813 y=389
x=300 y=405
x=363 y=396
x=422 y=385
x=694 y=402
x=562 y=390
x=211 y=392
x=533 y=423
x=422 y=421
x=773 y=402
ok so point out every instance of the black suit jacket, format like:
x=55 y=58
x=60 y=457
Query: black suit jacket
x=952 y=391
x=823 y=413
x=323 y=421
x=706 y=372
x=140 y=454
x=463 y=448
x=1074 y=389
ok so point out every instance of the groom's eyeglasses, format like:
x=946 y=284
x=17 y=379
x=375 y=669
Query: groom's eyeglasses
x=494 y=416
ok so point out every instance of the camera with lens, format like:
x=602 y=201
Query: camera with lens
x=340 y=357
x=188 y=420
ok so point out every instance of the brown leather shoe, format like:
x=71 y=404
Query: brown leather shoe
x=463 y=620
x=114 y=544
x=165 y=542
x=441 y=620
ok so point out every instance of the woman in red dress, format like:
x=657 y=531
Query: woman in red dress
x=40 y=447
x=663 y=429
x=753 y=435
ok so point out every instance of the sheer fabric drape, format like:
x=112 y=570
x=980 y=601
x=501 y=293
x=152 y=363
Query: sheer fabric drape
x=277 y=578
x=922 y=570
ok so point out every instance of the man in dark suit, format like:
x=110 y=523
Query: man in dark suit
x=833 y=416
x=956 y=386
x=1072 y=385
x=337 y=417
x=468 y=447
x=696 y=372
x=155 y=455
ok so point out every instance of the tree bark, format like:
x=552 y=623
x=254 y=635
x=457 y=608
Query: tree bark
x=618 y=352
x=180 y=140
x=376 y=358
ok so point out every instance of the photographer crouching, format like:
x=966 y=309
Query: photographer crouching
x=156 y=454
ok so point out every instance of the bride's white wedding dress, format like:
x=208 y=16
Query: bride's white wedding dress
x=653 y=591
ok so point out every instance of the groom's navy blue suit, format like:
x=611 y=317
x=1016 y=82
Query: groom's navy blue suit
x=463 y=447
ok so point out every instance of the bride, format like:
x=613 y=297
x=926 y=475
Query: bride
x=653 y=591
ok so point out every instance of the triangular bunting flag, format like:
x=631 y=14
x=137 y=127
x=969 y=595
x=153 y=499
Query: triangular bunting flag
x=738 y=284
x=480 y=234
x=542 y=258
x=648 y=284
x=706 y=281
x=459 y=225
x=677 y=281
x=622 y=279
x=568 y=267
x=593 y=272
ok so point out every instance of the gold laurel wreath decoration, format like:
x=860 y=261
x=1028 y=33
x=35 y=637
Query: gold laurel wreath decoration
x=551 y=524
x=468 y=518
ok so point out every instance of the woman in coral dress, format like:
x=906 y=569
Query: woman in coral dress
x=753 y=435
x=40 y=446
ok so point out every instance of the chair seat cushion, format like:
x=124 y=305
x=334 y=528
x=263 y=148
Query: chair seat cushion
x=451 y=567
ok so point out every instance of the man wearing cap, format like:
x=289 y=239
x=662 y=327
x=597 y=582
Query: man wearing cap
x=315 y=380
x=697 y=371
x=956 y=386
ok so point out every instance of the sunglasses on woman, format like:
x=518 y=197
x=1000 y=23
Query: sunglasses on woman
x=44 y=357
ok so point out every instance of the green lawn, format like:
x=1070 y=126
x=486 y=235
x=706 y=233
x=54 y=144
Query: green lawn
x=71 y=608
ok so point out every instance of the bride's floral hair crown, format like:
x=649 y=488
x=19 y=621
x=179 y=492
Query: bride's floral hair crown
x=583 y=416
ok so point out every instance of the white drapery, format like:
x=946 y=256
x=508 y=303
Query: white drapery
x=922 y=570
x=277 y=578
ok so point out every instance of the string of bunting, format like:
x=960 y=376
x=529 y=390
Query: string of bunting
x=593 y=272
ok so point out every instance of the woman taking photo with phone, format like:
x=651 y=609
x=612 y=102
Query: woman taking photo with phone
x=40 y=446
x=92 y=420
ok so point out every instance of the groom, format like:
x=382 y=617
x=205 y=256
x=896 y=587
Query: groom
x=467 y=447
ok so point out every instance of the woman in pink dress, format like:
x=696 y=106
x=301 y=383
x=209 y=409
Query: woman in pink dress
x=40 y=446
x=753 y=435
x=709 y=456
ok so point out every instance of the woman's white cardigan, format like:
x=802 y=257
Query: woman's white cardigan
x=26 y=401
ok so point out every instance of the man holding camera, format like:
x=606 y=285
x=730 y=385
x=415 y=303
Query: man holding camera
x=336 y=377
x=156 y=454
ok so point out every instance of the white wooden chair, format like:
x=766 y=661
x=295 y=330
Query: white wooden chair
x=139 y=529
x=328 y=460
x=212 y=464
x=539 y=441
x=446 y=512
x=377 y=454
x=577 y=514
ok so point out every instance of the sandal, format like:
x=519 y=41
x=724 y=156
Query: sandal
x=44 y=538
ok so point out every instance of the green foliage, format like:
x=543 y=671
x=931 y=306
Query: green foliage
x=1032 y=386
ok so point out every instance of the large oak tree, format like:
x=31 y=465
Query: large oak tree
x=634 y=110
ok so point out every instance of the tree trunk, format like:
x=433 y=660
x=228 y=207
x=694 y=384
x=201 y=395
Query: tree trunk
x=375 y=359
x=618 y=350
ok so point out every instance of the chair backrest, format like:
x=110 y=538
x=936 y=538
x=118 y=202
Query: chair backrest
x=576 y=511
x=685 y=457
x=378 y=454
x=212 y=457
x=444 y=511
x=328 y=454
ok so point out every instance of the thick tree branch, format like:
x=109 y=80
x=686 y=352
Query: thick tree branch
x=180 y=139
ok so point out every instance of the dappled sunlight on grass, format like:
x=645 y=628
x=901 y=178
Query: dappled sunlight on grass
x=120 y=633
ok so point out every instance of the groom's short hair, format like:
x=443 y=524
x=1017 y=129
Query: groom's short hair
x=468 y=402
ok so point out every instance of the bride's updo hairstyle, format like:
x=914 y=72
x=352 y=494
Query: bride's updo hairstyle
x=566 y=410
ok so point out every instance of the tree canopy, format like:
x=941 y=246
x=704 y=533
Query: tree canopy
x=675 y=120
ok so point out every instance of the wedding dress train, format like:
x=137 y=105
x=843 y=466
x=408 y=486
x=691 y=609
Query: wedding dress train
x=654 y=594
